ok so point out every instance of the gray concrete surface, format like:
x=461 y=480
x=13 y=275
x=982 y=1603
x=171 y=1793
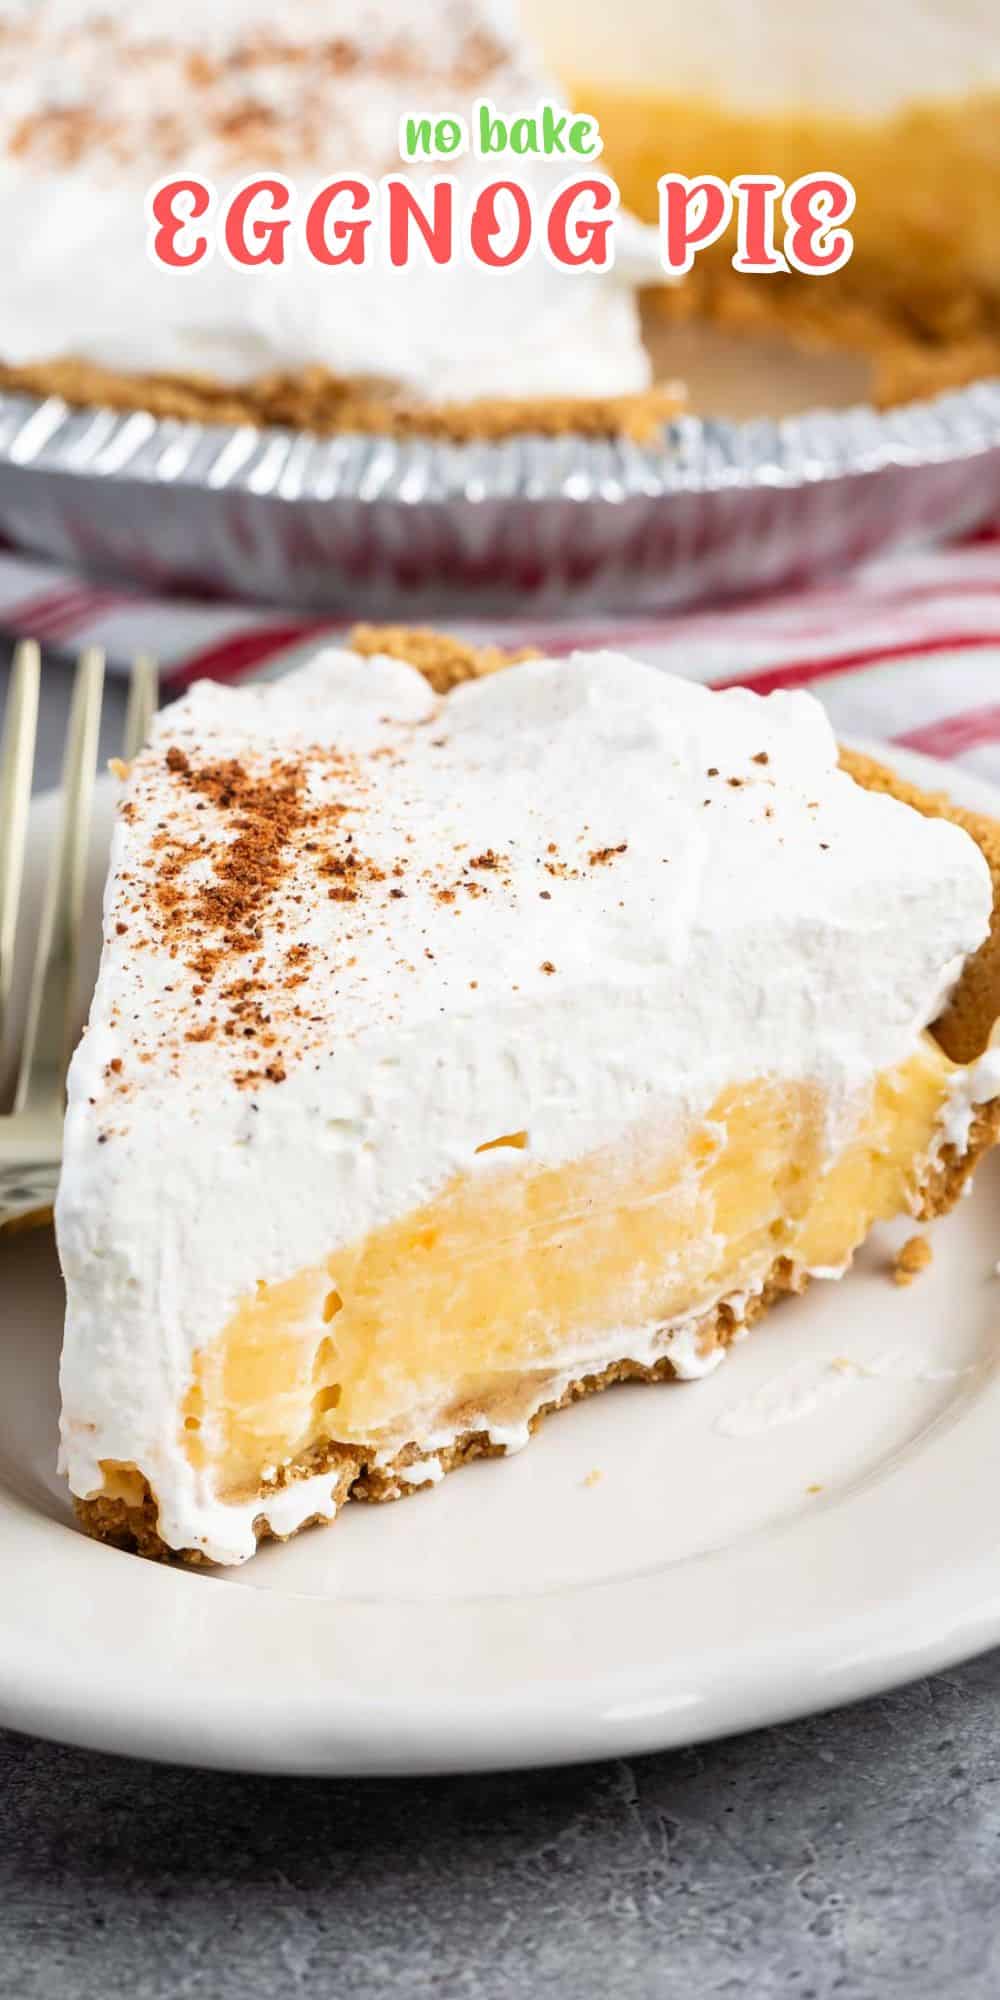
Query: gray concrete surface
x=849 y=1857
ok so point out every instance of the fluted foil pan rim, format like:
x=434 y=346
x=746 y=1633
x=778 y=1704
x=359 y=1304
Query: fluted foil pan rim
x=693 y=455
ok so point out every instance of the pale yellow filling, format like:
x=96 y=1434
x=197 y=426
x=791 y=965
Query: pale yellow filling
x=519 y=1271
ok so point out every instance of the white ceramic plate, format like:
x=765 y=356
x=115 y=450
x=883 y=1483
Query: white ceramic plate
x=816 y=1521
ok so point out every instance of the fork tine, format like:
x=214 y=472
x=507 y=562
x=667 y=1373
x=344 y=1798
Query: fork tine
x=43 y=1058
x=142 y=698
x=17 y=758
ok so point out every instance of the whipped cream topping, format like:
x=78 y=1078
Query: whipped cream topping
x=977 y=1084
x=354 y=932
x=99 y=100
x=775 y=57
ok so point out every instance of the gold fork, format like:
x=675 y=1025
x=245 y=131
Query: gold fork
x=31 y=1133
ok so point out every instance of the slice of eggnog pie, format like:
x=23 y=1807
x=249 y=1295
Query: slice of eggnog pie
x=458 y=1049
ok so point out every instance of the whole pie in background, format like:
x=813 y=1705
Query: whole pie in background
x=98 y=98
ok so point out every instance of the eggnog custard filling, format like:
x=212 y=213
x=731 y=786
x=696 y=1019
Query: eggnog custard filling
x=472 y=1307
x=454 y=1054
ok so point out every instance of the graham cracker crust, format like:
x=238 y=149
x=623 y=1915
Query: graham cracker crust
x=920 y=295
x=443 y=660
x=963 y=1032
x=320 y=402
x=910 y=359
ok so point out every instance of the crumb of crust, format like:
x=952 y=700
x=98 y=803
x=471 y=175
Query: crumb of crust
x=913 y=1258
x=314 y=400
x=594 y=1476
x=907 y=371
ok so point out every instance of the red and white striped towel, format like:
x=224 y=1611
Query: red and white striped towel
x=905 y=650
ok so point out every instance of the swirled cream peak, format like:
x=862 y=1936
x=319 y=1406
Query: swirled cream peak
x=355 y=934
x=99 y=100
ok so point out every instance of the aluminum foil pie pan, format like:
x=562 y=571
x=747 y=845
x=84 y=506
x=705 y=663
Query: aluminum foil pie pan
x=402 y=528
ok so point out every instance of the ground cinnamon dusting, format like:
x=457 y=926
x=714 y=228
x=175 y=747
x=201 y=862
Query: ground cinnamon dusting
x=246 y=870
x=240 y=845
x=218 y=919
x=266 y=95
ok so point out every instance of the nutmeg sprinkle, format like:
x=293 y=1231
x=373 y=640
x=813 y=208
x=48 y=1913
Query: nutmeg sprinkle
x=282 y=893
